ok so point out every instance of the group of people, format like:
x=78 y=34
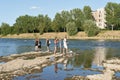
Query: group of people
x=38 y=44
x=59 y=45
x=62 y=44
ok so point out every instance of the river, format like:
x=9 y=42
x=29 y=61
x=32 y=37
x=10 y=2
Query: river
x=91 y=54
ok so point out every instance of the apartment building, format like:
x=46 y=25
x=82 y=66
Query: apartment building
x=99 y=17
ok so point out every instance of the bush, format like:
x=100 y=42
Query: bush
x=71 y=28
x=90 y=28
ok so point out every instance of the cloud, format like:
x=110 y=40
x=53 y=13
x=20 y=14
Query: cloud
x=34 y=7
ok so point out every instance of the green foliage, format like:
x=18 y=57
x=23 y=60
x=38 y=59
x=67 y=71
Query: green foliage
x=90 y=28
x=71 y=28
x=41 y=25
x=65 y=18
x=113 y=15
x=24 y=24
x=87 y=13
x=5 y=29
x=78 y=17
x=0 y=30
x=47 y=23
x=41 y=28
x=32 y=24
x=57 y=23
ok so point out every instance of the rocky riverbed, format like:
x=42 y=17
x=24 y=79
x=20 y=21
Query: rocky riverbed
x=110 y=68
x=27 y=63
x=34 y=62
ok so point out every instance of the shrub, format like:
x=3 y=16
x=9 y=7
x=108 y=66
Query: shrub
x=71 y=28
x=90 y=28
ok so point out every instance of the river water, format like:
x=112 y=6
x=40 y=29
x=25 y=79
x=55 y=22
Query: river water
x=91 y=54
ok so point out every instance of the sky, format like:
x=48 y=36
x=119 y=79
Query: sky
x=10 y=10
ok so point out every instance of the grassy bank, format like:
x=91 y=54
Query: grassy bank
x=80 y=35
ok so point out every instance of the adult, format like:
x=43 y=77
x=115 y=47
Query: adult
x=60 y=45
x=65 y=45
x=39 y=45
x=55 y=45
x=36 y=44
x=48 y=44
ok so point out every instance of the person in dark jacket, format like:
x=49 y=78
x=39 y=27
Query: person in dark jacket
x=37 y=44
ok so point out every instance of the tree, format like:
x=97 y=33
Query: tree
x=113 y=15
x=24 y=24
x=65 y=18
x=41 y=25
x=90 y=28
x=87 y=13
x=47 y=23
x=71 y=28
x=77 y=17
x=5 y=29
x=0 y=30
x=57 y=23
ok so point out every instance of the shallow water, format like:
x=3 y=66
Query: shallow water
x=2 y=62
x=17 y=46
x=50 y=73
x=117 y=74
x=89 y=61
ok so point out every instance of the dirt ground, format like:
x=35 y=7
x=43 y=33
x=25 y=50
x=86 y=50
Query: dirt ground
x=79 y=35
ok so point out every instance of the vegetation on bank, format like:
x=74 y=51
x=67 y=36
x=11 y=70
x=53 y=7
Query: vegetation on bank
x=79 y=35
x=72 y=22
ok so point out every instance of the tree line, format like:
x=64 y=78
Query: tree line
x=71 y=22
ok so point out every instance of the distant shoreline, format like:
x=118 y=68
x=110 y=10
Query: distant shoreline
x=103 y=35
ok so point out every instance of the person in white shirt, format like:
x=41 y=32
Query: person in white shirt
x=65 y=45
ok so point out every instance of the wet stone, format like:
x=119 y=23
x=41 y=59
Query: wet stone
x=79 y=78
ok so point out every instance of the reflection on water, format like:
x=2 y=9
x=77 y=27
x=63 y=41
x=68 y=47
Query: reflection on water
x=84 y=59
x=56 y=67
x=100 y=54
x=49 y=73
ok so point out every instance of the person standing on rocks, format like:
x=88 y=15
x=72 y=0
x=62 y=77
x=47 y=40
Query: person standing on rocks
x=60 y=45
x=55 y=45
x=48 y=44
x=65 y=45
x=36 y=44
x=39 y=45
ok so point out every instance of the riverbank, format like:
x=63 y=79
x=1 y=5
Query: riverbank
x=81 y=35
